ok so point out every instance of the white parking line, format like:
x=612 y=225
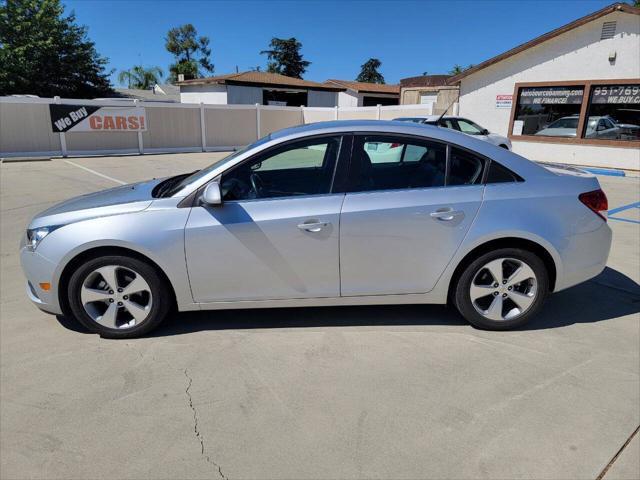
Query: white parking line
x=96 y=173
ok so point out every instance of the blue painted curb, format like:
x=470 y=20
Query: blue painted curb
x=612 y=172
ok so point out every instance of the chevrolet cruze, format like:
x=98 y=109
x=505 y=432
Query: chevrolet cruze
x=338 y=213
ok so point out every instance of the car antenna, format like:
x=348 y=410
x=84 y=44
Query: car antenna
x=443 y=113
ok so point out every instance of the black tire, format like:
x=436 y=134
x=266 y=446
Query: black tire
x=160 y=306
x=462 y=297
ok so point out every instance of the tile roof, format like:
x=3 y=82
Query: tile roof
x=364 y=87
x=147 y=95
x=424 y=81
x=260 y=78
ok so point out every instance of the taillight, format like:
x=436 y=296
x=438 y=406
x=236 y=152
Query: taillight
x=596 y=201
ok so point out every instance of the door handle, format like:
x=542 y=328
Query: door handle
x=446 y=214
x=313 y=226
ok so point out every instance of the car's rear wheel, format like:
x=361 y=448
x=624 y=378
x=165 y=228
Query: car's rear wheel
x=118 y=296
x=503 y=289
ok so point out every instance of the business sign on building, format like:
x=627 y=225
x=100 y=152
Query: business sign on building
x=504 y=101
x=90 y=118
x=551 y=95
x=616 y=94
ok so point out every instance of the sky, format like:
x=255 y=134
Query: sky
x=409 y=37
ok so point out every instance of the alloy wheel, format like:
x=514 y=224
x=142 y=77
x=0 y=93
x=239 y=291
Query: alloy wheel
x=503 y=289
x=116 y=297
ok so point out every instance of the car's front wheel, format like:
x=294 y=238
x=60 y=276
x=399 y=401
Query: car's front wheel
x=118 y=296
x=503 y=289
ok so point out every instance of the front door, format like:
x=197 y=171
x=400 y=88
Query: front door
x=406 y=213
x=276 y=234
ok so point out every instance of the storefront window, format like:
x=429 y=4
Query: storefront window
x=614 y=113
x=548 y=111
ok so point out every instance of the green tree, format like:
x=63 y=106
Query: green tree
x=44 y=53
x=369 y=72
x=285 y=58
x=191 y=53
x=457 y=69
x=140 y=77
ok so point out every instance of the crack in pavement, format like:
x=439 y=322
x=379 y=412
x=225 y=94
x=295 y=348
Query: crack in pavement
x=618 y=453
x=196 y=430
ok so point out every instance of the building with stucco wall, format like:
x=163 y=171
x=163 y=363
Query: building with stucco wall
x=362 y=94
x=263 y=88
x=571 y=95
x=430 y=90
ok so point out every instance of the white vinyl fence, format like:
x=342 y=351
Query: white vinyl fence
x=26 y=128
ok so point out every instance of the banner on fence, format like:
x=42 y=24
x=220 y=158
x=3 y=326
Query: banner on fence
x=90 y=118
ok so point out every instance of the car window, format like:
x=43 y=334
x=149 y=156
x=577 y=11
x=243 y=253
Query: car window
x=609 y=123
x=301 y=168
x=499 y=174
x=468 y=127
x=449 y=123
x=465 y=168
x=389 y=163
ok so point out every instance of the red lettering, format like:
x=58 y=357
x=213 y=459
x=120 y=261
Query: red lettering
x=121 y=123
x=108 y=123
x=94 y=123
x=133 y=123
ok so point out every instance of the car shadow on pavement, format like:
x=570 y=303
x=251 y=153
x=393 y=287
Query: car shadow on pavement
x=609 y=295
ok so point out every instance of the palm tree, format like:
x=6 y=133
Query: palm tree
x=141 y=78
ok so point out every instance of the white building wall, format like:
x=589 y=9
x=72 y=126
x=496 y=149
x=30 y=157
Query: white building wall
x=576 y=55
x=348 y=99
x=211 y=94
x=587 y=155
x=351 y=98
x=318 y=98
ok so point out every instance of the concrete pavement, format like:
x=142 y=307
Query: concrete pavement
x=358 y=392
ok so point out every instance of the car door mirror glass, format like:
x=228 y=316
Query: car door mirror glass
x=212 y=194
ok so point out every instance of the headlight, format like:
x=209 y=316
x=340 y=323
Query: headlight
x=35 y=235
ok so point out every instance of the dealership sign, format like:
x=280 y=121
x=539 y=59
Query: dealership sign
x=616 y=94
x=504 y=101
x=551 y=96
x=89 y=118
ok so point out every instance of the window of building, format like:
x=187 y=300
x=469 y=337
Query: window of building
x=614 y=112
x=548 y=111
x=588 y=112
x=284 y=98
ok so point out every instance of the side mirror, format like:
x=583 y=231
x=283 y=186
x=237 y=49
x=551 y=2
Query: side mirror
x=485 y=132
x=212 y=194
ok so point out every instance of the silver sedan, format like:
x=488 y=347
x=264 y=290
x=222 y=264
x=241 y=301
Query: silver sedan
x=338 y=213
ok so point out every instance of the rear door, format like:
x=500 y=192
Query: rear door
x=402 y=220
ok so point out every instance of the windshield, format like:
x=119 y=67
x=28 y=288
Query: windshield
x=567 y=122
x=205 y=171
